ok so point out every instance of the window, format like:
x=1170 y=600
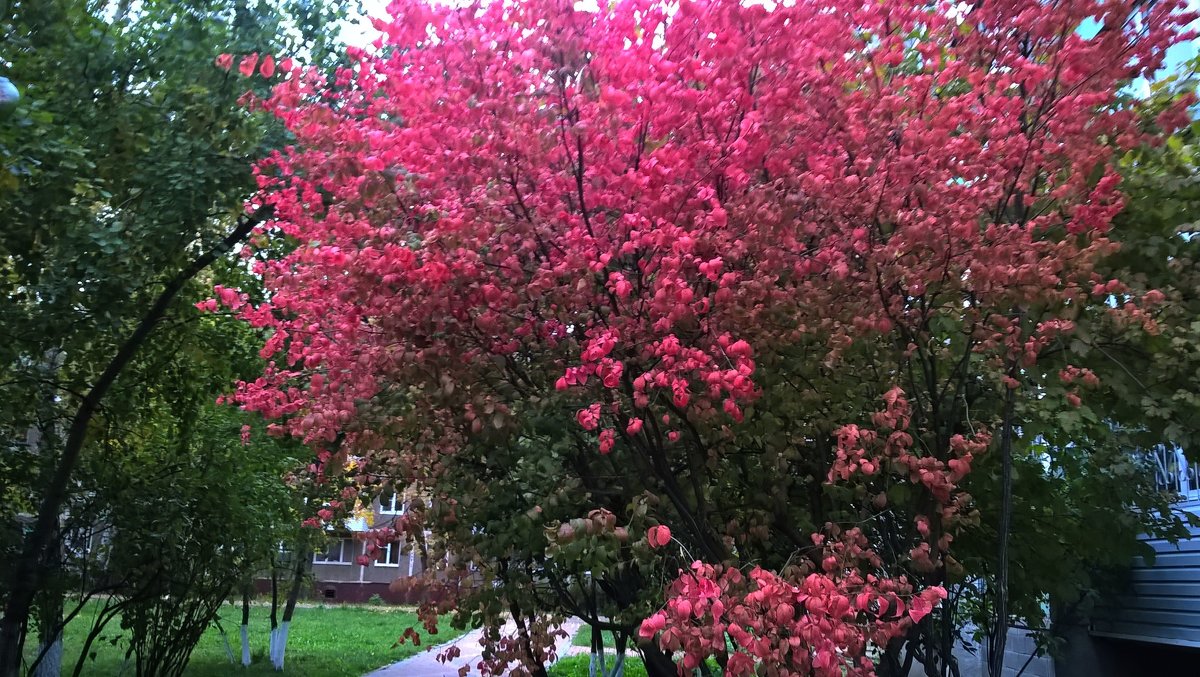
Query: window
x=284 y=555
x=391 y=505
x=389 y=555
x=340 y=551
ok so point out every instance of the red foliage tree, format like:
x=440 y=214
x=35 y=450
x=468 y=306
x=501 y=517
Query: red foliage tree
x=648 y=222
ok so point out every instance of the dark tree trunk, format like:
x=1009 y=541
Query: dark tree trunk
x=1000 y=621
x=281 y=635
x=244 y=630
x=658 y=664
x=297 y=583
x=50 y=634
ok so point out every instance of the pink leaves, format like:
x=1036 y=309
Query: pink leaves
x=634 y=426
x=652 y=625
x=731 y=408
x=692 y=235
x=609 y=372
x=250 y=63
x=619 y=285
x=739 y=349
x=679 y=393
x=247 y=64
x=599 y=346
x=589 y=418
x=680 y=610
x=783 y=613
x=809 y=625
x=658 y=536
x=607 y=440
x=922 y=605
x=740 y=664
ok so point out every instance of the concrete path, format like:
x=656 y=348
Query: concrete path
x=425 y=664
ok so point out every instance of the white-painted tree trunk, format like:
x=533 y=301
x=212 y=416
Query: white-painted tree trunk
x=619 y=666
x=51 y=663
x=225 y=641
x=597 y=666
x=245 y=646
x=280 y=646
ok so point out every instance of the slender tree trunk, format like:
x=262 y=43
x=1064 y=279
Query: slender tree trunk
x=536 y=667
x=245 y=626
x=290 y=608
x=28 y=572
x=274 y=636
x=50 y=629
x=1000 y=625
x=622 y=644
x=597 y=659
x=106 y=614
x=225 y=642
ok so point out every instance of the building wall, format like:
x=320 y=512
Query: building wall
x=1161 y=604
x=1153 y=626
x=353 y=592
x=350 y=581
x=1019 y=657
x=377 y=571
x=395 y=581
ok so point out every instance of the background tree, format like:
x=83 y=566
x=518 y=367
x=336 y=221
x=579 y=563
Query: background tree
x=170 y=560
x=1138 y=395
x=122 y=174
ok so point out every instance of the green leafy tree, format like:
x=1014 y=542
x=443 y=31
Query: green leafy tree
x=171 y=559
x=123 y=171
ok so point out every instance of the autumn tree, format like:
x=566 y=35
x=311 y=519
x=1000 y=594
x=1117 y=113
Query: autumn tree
x=694 y=321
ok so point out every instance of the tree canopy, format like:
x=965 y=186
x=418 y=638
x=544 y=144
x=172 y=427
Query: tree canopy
x=789 y=336
x=739 y=297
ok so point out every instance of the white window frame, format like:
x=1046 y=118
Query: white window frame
x=386 y=551
x=393 y=506
x=318 y=557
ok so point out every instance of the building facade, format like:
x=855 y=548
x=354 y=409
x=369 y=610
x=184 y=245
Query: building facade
x=1153 y=626
x=337 y=575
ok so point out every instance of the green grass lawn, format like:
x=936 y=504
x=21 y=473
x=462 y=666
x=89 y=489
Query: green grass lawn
x=323 y=641
x=577 y=666
x=584 y=638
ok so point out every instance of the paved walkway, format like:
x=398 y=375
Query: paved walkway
x=425 y=664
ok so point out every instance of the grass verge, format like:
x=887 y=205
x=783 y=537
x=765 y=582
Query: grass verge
x=577 y=666
x=584 y=638
x=323 y=641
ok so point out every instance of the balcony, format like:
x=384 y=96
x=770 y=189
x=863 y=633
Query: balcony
x=1174 y=473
